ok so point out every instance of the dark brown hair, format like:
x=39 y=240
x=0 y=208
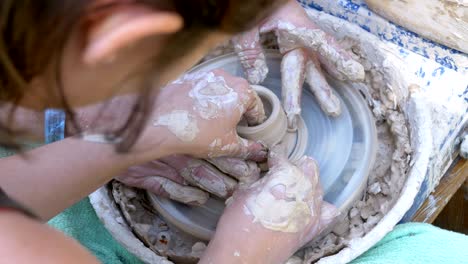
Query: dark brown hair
x=33 y=34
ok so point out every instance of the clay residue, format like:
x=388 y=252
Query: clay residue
x=183 y=194
x=458 y=2
x=291 y=37
x=211 y=94
x=391 y=164
x=282 y=204
x=151 y=229
x=292 y=72
x=181 y=123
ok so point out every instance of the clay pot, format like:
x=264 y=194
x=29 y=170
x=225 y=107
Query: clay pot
x=273 y=130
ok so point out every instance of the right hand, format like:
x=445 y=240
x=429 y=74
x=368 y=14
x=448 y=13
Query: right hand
x=189 y=180
x=198 y=114
x=307 y=51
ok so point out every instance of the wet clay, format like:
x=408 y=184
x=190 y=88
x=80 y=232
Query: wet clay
x=290 y=37
x=293 y=76
x=148 y=226
x=181 y=123
x=282 y=204
x=273 y=129
x=212 y=94
x=383 y=188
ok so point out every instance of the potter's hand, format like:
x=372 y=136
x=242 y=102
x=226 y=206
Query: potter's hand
x=189 y=180
x=306 y=48
x=198 y=114
x=281 y=212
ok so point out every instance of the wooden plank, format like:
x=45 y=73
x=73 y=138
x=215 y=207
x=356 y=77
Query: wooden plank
x=454 y=217
x=438 y=199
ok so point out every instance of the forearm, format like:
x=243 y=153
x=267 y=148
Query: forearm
x=53 y=177
x=28 y=122
x=100 y=117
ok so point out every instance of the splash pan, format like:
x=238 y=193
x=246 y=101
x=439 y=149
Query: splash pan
x=344 y=147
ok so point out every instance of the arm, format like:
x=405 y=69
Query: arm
x=33 y=242
x=53 y=177
x=23 y=120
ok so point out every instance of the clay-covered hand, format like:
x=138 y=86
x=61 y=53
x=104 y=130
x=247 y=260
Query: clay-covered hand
x=189 y=180
x=198 y=114
x=272 y=218
x=306 y=48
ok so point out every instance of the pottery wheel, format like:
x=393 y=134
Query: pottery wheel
x=343 y=146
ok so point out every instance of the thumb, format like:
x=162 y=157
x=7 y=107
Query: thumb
x=249 y=50
x=328 y=215
x=310 y=168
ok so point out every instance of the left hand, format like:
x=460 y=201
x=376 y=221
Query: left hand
x=197 y=115
x=306 y=48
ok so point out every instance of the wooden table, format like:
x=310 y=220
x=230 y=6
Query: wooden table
x=447 y=206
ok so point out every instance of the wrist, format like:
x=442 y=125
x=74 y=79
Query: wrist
x=154 y=143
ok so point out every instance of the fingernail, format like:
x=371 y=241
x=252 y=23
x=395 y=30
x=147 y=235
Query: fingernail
x=331 y=106
x=259 y=153
x=292 y=123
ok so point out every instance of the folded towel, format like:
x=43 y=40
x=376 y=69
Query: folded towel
x=418 y=243
x=81 y=222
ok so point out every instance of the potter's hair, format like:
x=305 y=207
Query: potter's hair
x=33 y=34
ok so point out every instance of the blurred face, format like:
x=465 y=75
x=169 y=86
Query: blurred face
x=123 y=71
x=109 y=58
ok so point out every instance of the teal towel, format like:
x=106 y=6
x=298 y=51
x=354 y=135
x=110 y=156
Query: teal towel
x=81 y=222
x=413 y=243
x=417 y=243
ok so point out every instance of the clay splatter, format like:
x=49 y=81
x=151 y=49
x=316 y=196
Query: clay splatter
x=181 y=123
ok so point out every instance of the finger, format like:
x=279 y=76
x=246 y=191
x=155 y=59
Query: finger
x=318 y=41
x=245 y=171
x=155 y=168
x=255 y=112
x=250 y=52
x=277 y=156
x=356 y=70
x=328 y=214
x=292 y=78
x=319 y=86
x=311 y=170
x=249 y=103
x=184 y=194
x=202 y=174
x=245 y=149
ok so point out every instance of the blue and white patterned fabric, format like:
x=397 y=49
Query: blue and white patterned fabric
x=357 y=12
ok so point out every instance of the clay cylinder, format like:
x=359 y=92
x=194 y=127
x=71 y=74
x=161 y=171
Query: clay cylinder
x=272 y=131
